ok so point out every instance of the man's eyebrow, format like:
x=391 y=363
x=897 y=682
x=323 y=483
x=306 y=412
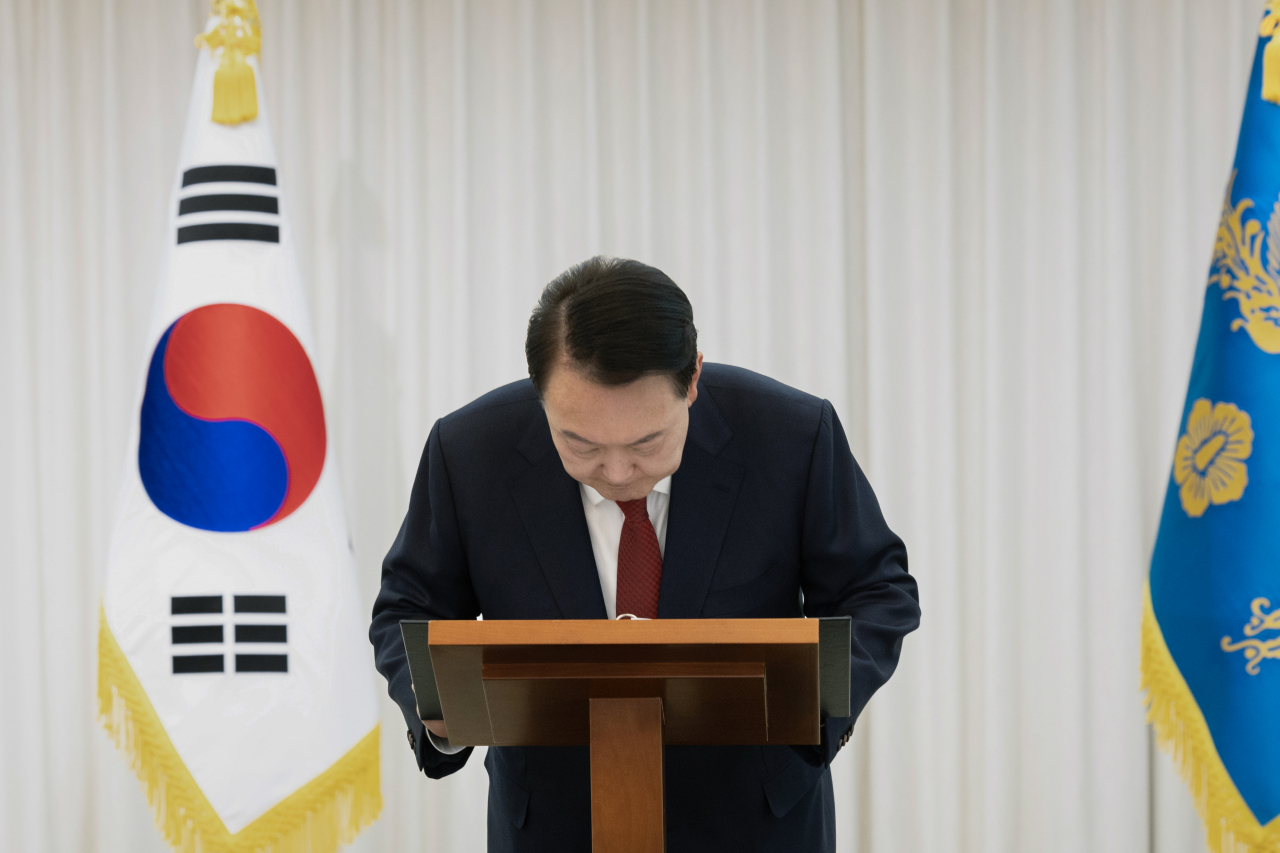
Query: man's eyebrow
x=650 y=437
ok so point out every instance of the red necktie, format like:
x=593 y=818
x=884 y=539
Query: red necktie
x=639 y=562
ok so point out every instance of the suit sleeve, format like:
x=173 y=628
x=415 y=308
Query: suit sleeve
x=853 y=565
x=424 y=576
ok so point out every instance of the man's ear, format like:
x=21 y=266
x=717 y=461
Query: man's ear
x=693 y=382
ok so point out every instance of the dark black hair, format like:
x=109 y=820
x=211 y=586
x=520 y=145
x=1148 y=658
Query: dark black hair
x=616 y=320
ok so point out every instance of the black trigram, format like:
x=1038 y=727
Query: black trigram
x=273 y=632
x=197 y=621
x=218 y=209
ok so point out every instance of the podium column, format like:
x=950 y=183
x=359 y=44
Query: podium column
x=626 y=776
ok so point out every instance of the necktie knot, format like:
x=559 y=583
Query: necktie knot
x=635 y=511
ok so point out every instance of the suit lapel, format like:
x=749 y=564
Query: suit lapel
x=703 y=492
x=550 y=506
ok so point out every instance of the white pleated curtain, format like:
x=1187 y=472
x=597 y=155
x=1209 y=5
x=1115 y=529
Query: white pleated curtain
x=980 y=228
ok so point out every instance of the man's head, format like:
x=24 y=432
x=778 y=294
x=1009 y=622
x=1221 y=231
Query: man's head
x=613 y=353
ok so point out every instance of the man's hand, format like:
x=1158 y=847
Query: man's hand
x=436 y=727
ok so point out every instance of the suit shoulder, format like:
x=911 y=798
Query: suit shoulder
x=503 y=411
x=727 y=380
x=773 y=426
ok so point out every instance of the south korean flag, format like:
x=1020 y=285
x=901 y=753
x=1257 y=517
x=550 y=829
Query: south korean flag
x=234 y=672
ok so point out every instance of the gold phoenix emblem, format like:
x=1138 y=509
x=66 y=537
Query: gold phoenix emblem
x=1208 y=464
x=1255 y=651
x=1244 y=275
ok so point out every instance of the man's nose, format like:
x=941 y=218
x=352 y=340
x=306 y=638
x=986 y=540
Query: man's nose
x=617 y=471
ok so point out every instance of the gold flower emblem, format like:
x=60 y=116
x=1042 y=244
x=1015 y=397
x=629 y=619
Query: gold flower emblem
x=1209 y=462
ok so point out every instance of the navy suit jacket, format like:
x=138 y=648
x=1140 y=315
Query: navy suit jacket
x=770 y=516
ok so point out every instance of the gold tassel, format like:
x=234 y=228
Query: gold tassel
x=1181 y=731
x=235 y=96
x=319 y=817
x=1270 y=56
x=238 y=33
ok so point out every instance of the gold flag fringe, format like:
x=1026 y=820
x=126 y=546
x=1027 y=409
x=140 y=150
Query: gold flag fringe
x=238 y=33
x=323 y=814
x=1181 y=731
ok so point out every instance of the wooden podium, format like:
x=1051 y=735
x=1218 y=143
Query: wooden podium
x=626 y=688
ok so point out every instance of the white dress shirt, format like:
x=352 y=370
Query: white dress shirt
x=604 y=523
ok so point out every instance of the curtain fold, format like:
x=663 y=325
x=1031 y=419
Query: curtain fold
x=981 y=228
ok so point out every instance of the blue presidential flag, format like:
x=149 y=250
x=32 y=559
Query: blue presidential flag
x=1211 y=630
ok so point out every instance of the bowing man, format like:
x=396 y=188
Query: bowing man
x=626 y=477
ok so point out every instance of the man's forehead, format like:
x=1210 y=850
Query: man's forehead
x=567 y=377
x=618 y=416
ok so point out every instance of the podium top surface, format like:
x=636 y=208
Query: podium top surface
x=623 y=632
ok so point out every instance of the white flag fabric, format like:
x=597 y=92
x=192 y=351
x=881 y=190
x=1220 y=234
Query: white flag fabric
x=233 y=666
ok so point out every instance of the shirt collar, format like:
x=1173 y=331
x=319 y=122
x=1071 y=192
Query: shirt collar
x=663 y=486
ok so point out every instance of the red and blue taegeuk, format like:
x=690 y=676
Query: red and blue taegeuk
x=233 y=434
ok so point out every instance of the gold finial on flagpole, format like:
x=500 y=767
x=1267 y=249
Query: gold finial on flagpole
x=239 y=34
